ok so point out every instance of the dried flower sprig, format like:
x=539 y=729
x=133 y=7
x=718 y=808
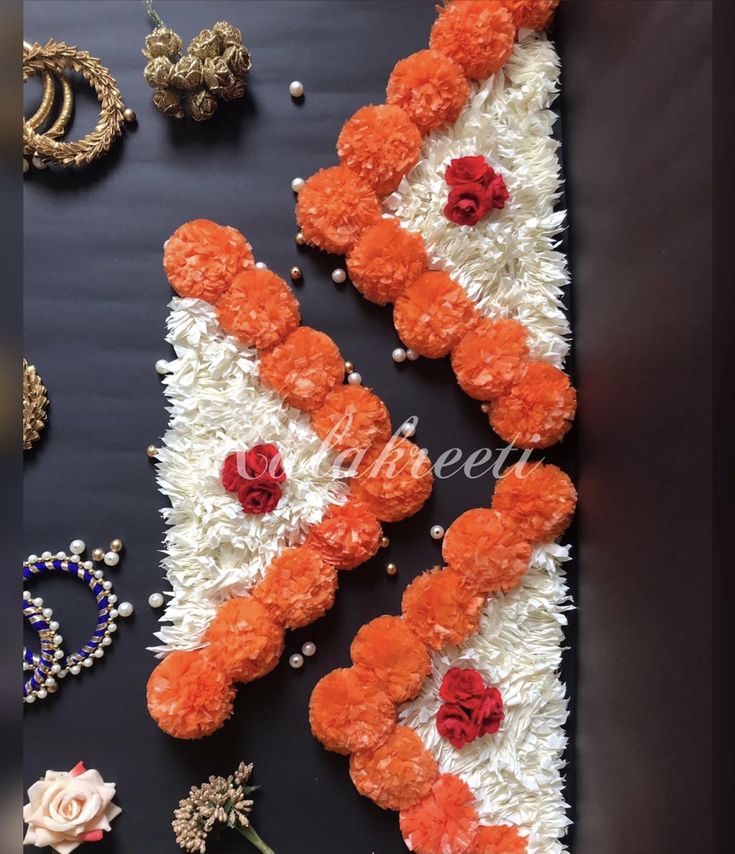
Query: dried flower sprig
x=220 y=801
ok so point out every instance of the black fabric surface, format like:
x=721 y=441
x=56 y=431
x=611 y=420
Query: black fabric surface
x=95 y=307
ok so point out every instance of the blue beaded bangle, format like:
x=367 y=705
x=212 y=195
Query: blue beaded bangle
x=45 y=665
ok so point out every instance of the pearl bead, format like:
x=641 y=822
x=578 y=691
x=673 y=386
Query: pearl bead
x=31 y=698
x=412 y=355
x=296 y=274
x=261 y=265
x=88 y=662
x=437 y=532
x=297 y=184
x=338 y=276
x=54 y=625
x=155 y=600
x=60 y=555
x=162 y=366
x=112 y=599
x=32 y=558
x=76 y=547
x=46 y=555
x=62 y=674
x=88 y=564
x=26 y=595
x=349 y=367
x=309 y=649
x=125 y=609
x=56 y=668
x=98 y=653
x=399 y=355
x=58 y=640
x=296 y=89
x=38 y=602
x=42 y=693
x=116 y=545
x=74 y=558
x=485 y=408
x=75 y=670
x=152 y=451
x=354 y=378
x=111 y=559
x=408 y=429
x=58 y=654
x=300 y=239
x=112 y=628
x=296 y=661
x=129 y=115
x=47 y=613
x=113 y=614
x=391 y=569
x=106 y=641
x=38 y=162
x=384 y=542
x=99 y=574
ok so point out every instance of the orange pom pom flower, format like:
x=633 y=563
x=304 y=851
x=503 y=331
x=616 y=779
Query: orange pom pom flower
x=394 y=480
x=304 y=368
x=349 y=711
x=445 y=822
x=540 y=499
x=201 y=259
x=298 y=587
x=433 y=313
x=440 y=609
x=334 y=207
x=537 y=410
x=531 y=14
x=498 y=839
x=430 y=87
x=244 y=641
x=188 y=697
x=380 y=144
x=477 y=34
x=258 y=309
x=351 y=418
x=387 y=647
x=348 y=535
x=398 y=774
x=490 y=358
x=487 y=550
x=385 y=260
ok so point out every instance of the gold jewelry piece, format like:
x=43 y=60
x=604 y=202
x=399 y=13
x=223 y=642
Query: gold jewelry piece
x=56 y=58
x=35 y=402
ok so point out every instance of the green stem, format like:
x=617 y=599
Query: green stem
x=250 y=834
x=155 y=17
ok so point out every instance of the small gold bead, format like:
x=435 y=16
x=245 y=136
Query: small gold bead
x=152 y=451
x=129 y=115
x=98 y=554
x=116 y=545
x=391 y=569
x=349 y=367
x=300 y=239
x=296 y=274
x=485 y=408
x=384 y=542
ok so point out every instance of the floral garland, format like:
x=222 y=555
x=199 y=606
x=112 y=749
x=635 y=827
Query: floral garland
x=243 y=566
x=529 y=400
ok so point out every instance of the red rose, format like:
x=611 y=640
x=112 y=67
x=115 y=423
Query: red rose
x=497 y=192
x=486 y=711
x=231 y=477
x=468 y=170
x=461 y=684
x=467 y=204
x=265 y=460
x=455 y=725
x=259 y=496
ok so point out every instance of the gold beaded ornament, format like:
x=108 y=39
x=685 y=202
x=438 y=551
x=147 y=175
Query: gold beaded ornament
x=35 y=402
x=52 y=61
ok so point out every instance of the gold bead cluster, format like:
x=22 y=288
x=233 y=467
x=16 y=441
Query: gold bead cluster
x=214 y=67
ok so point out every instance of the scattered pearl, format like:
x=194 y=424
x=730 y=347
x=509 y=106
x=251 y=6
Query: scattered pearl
x=353 y=378
x=412 y=355
x=116 y=545
x=297 y=184
x=391 y=569
x=296 y=661
x=309 y=649
x=485 y=408
x=300 y=239
x=162 y=366
x=261 y=265
x=38 y=162
x=399 y=355
x=338 y=275
x=296 y=274
x=125 y=609
x=296 y=89
x=437 y=532
x=384 y=542
x=32 y=558
x=152 y=452
x=155 y=600
x=77 y=547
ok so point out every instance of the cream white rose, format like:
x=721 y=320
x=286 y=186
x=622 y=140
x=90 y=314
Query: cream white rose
x=68 y=808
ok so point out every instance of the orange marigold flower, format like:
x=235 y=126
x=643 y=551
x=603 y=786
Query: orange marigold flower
x=396 y=775
x=540 y=499
x=258 y=309
x=537 y=410
x=394 y=479
x=334 y=207
x=385 y=260
x=430 y=87
x=445 y=822
x=304 y=368
x=433 y=313
x=348 y=535
x=440 y=609
x=498 y=840
x=490 y=358
x=487 y=550
x=202 y=258
x=187 y=696
x=380 y=144
x=298 y=587
x=389 y=649
x=351 y=418
x=477 y=34
x=349 y=711
x=244 y=641
x=531 y=14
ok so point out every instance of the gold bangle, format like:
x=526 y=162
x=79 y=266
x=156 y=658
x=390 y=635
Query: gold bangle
x=47 y=104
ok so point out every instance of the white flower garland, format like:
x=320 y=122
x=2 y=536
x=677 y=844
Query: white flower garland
x=509 y=262
x=517 y=773
x=213 y=550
